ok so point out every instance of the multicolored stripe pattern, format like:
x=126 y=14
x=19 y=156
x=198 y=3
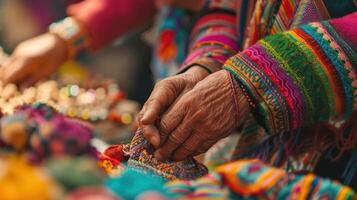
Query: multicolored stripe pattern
x=298 y=77
x=251 y=179
x=213 y=38
x=140 y=153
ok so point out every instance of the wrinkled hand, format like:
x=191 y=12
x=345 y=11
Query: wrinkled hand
x=165 y=93
x=201 y=117
x=33 y=60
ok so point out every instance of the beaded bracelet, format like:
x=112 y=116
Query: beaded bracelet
x=72 y=33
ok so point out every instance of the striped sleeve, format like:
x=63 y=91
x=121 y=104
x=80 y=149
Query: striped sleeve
x=213 y=38
x=300 y=77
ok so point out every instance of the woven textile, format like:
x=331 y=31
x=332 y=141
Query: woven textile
x=298 y=78
x=140 y=157
x=40 y=131
x=245 y=179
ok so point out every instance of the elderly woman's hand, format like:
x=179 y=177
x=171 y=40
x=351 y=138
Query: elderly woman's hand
x=165 y=93
x=212 y=110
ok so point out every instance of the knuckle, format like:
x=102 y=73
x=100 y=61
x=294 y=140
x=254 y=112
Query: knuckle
x=200 y=132
x=166 y=90
x=187 y=148
x=200 y=113
x=187 y=105
x=163 y=83
x=150 y=101
x=207 y=127
x=164 y=125
x=175 y=139
x=180 y=129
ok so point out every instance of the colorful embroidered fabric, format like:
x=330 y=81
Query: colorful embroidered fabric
x=171 y=45
x=274 y=16
x=245 y=179
x=40 y=131
x=139 y=156
x=133 y=184
x=213 y=38
x=297 y=78
x=259 y=18
x=228 y=26
x=140 y=152
x=221 y=152
x=251 y=177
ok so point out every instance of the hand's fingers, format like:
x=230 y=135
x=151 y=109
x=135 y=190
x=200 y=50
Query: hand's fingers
x=163 y=95
x=188 y=147
x=151 y=133
x=38 y=75
x=30 y=80
x=7 y=62
x=174 y=140
x=171 y=120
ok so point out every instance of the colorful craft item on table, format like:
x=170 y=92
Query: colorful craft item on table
x=140 y=153
x=133 y=184
x=139 y=156
x=111 y=159
x=89 y=104
x=20 y=181
x=75 y=172
x=252 y=178
x=244 y=179
x=207 y=187
x=40 y=131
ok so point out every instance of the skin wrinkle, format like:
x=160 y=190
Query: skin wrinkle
x=209 y=115
x=188 y=111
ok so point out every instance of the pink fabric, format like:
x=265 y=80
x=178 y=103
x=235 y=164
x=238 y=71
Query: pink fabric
x=108 y=19
x=347 y=28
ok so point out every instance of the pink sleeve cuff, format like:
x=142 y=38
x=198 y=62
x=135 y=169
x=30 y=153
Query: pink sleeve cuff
x=107 y=19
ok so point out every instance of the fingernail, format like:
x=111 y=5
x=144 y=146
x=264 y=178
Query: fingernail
x=152 y=134
x=155 y=141
x=158 y=156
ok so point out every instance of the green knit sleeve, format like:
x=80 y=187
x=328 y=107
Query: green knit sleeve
x=299 y=77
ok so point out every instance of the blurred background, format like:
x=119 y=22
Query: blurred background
x=127 y=60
